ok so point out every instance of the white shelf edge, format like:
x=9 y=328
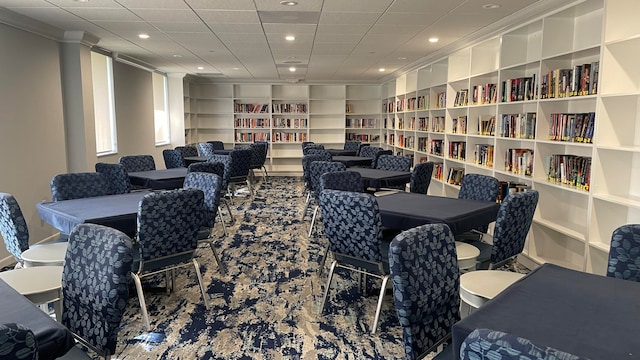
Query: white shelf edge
x=618 y=200
x=560 y=186
x=621 y=148
x=561 y=229
x=600 y=247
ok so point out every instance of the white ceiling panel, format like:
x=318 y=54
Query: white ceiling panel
x=220 y=4
x=237 y=28
x=48 y=15
x=378 y=6
x=87 y=4
x=152 y=4
x=338 y=39
x=343 y=29
x=294 y=29
x=104 y=14
x=242 y=38
x=274 y=5
x=181 y=27
x=166 y=15
x=419 y=19
x=229 y=16
x=9 y=4
x=425 y=6
x=332 y=49
x=362 y=18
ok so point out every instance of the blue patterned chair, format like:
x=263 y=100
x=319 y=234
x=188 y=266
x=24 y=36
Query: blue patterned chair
x=353 y=226
x=17 y=342
x=259 y=151
x=211 y=186
x=306 y=175
x=79 y=186
x=480 y=188
x=360 y=148
x=116 y=176
x=218 y=169
x=168 y=226
x=421 y=178
x=512 y=226
x=13 y=228
x=486 y=344
x=95 y=283
x=394 y=163
x=306 y=143
x=352 y=145
x=369 y=151
x=624 y=253
x=187 y=151
x=308 y=147
x=206 y=149
x=135 y=163
x=217 y=145
x=426 y=283
x=316 y=169
x=321 y=152
x=173 y=159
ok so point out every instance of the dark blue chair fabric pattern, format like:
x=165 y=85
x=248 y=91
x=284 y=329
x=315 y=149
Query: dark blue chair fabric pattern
x=13 y=226
x=341 y=180
x=393 y=163
x=17 y=342
x=206 y=149
x=352 y=145
x=116 y=176
x=479 y=187
x=173 y=159
x=79 y=186
x=187 y=151
x=624 y=253
x=421 y=178
x=486 y=344
x=211 y=186
x=217 y=144
x=207 y=167
x=95 y=283
x=426 y=282
x=134 y=163
x=317 y=168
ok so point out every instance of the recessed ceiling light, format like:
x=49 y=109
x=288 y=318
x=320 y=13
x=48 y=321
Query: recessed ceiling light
x=176 y=55
x=289 y=3
x=143 y=36
x=382 y=69
x=200 y=68
x=292 y=69
x=292 y=62
x=291 y=57
x=236 y=69
x=81 y=0
x=290 y=37
x=433 y=40
x=402 y=58
x=490 y=6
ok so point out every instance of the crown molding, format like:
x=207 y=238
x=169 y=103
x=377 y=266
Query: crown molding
x=28 y=24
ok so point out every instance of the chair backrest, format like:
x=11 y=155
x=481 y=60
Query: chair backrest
x=479 y=187
x=512 y=225
x=95 y=283
x=351 y=145
x=206 y=149
x=239 y=163
x=258 y=154
x=211 y=186
x=134 y=163
x=306 y=171
x=376 y=157
x=352 y=224
x=426 y=283
x=173 y=159
x=168 y=223
x=341 y=180
x=306 y=149
x=369 y=151
x=187 y=151
x=393 y=163
x=17 y=342
x=207 y=167
x=306 y=143
x=217 y=145
x=79 y=185
x=321 y=152
x=360 y=148
x=624 y=253
x=486 y=344
x=13 y=226
x=317 y=168
x=421 y=178
x=116 y=176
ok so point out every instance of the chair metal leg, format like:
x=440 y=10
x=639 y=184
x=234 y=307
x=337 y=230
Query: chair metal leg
x=326 y=290
x=313 y=220
x=266 y=175
x=204 y=291
x=224 y=226
x=374 y=327
x=250 y=184
x=221 y=266
x=143 y=304
x=306 y=206
x=226 y=204
x=324 y=259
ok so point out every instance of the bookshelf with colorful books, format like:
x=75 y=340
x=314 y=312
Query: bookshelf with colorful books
x=362 y=118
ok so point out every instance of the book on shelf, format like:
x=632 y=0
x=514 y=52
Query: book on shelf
x=484 y=94
x=483 y=155
x=455 y=176
x=441 y=100
x=437 y=170
x=572 y=127
x=519 y=161
x=486 y=125
x=457 y=150
x=520 y=126
x=505 y=188
x=250 y=108
x=459 y=125
x=580 y=80
x=251 y=137
x=296 y=108
x=423 y=102
x=571 y=170
x=422 y=144
x=436 y=147
x=408 y=142
x=360 y=123
x=283 y=136
x=423 y=124
x=462 y=98
x=362 y=137
x=437 y=124
x=519 y=89
x=251 y=123
x=348 y=108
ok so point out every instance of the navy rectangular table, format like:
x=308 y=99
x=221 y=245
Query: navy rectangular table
x=116 y=211
x=588 y=315
x=194 y=159
x=404 y=211
x=376 y=178
x=350 y=161
x=166 y=179
x=54 y=340
x=341 y=152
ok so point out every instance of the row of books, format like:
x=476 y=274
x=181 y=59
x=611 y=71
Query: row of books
x=459 y=125
x=251 y=137
x=569 y=170
x=457 y=150
x=423 y=102
x=519 y=161
x=519 y=89
x=286 y=123
x=438 y=168
x=407 y=142
x=389 y=139
x=520 y=126
x=462 y=98
x=572 y=127
x=280 y=136
x=360 y=123
x=484 y=94
x=455 y=176
x=441 y=100
x=505 y=188
x=484 y=155
x=580 y=80
x=299 y=108
x=362 y=137
x=251 y=123
x=486 y=125
x=436 y=147
x=250 y=108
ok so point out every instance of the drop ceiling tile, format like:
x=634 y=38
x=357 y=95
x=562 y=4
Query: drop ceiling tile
x=295 y=29
x=339 y=18
x=438 y=7
x=221 y=4
x=181 y=27
x=10 y=4
x=408 y=19
x=289 y=17
x=242 y=38
x=104 y=14
x=239 y=28
x=153 y=4
x=229 y=16
x=378 y=6
x=166 y=15
x=89 y=4
x=304 y=5
x=342 y=29
x=47 y=15
x=399 y=30
x=332 y=49
x=337 y=39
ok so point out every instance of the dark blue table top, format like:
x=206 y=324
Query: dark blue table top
x=377 y=178
x=165 y=179
x=341 y=152
x=54 y=340
x=350 y=161
x=588 y=315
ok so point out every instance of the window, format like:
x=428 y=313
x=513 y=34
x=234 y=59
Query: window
x=103 y=104
x=161 y=109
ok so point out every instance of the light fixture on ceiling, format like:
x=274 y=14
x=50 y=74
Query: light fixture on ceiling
x=289 y=3
x=433 y=40
x=490 y=6
x=402 y=58
x=382 y=69
x=81 y=0
x=236 y=69
x=143 y=36
x=176 y=55
x=290 y=37
x=291 y=57
x=200 y=68
x=292 y=69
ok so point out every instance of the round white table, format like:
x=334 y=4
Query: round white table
x=39 y=284
x=51 y=254
x=478 y=287
x=467 y=255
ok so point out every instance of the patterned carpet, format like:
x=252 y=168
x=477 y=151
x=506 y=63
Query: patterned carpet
x=267 y=306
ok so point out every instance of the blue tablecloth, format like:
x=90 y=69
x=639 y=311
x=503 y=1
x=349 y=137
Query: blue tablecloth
x=194 y=159
x=588 y=315
x=341 y=152
x=350 y=161
x=116 y=211
x=404 y=211
x=53 y=339
x=376 y=178
x=165 y=179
